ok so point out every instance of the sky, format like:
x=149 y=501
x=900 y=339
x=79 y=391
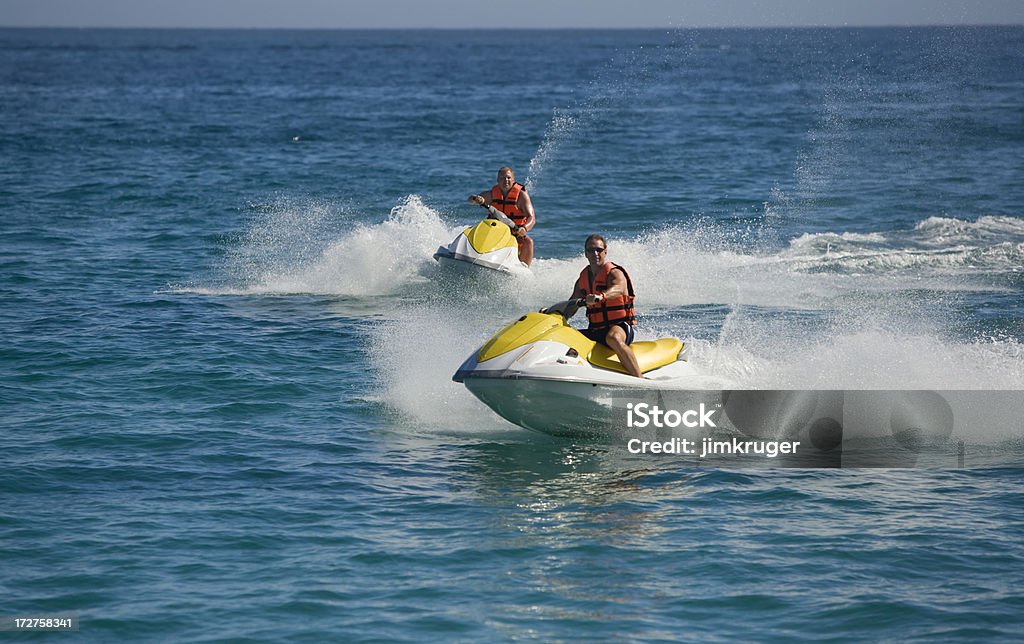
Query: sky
x=462 y=14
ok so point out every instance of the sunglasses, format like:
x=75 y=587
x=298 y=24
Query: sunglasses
x=595 y=250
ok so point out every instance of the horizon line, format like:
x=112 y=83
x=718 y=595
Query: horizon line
x=492 y=28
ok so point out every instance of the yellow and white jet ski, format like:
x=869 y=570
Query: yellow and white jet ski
x=489 y=244
x=540 y=373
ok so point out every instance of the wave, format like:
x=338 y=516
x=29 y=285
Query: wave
x=412 y=358
x=859 y=259
x=831 y=310
x=311 y=248
x=946 y=230
x=314 y=248
x=866 y=355
x=294 y=248
x=992 y=244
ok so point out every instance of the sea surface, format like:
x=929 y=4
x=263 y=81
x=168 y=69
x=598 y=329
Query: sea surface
x=226 y=410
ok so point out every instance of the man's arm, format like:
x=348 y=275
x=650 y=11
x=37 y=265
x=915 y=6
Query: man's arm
x=526 y=207
x=616 y=287
x=616 y=284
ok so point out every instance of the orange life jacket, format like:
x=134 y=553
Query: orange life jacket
x=610 y=311
x=507 y=204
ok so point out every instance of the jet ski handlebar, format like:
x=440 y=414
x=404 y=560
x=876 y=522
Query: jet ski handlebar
x=567 y=308
x=494 y=213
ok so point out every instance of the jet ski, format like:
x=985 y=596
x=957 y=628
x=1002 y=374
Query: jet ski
x=489 y=244
x=542 y=374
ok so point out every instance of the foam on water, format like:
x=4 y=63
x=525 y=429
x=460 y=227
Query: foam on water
x=832 y=310
x=792 y=324
x=989 y=228
x=867 y=342
x=378 y=259
x=934 y=249
x=313 y=248
x=413 y=358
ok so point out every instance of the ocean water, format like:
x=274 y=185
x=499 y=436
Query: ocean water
x=226 y=355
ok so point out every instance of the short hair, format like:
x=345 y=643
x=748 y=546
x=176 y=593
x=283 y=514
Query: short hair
x=502 y=169
x=594 y=237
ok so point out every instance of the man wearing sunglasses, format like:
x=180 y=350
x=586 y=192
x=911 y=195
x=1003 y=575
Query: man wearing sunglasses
x=609 y=295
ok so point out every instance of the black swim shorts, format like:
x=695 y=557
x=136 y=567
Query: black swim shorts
x=599 y=335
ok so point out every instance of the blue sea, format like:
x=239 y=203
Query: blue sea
x=226 y=356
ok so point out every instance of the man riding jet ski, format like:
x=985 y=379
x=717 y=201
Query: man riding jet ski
x=540 y=373
x=500 y=241
x=607 y=291
x=511 y=199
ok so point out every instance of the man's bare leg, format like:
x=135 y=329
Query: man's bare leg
x=616 y=340
x=526 y=251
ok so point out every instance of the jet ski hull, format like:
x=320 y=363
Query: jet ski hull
x=542 y=374
x=489 y=245
x=574 y=408
x=499 y=262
